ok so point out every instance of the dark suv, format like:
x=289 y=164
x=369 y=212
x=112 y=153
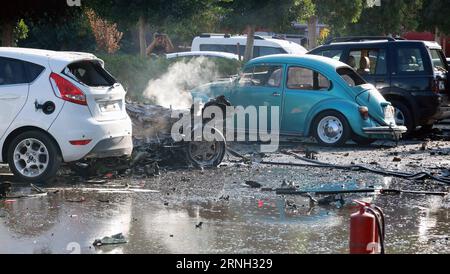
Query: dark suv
x=412 y=75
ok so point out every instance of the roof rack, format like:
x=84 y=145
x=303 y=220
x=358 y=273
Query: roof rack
x=359 y=39
x=208 y=35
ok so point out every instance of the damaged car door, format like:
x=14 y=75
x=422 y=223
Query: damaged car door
x=259 y=86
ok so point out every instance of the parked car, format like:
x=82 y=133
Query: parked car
x=236 y=45
x=58 y=107
x=448 y=61
x=208 y=54
x=317 y=97
x=412 y=75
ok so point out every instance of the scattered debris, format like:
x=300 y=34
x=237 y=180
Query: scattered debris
x=78 y=200
x=113 y=240
x=310 y=154
x=224 y=198
x=253 y=184
x=38 y=189
x=5 y=188
x=284 y=191
x=331 y=199
x=290 y=205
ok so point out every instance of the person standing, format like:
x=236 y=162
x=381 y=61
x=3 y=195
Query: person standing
x=160 y=45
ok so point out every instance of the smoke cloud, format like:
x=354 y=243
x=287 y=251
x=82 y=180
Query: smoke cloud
x=172 y=89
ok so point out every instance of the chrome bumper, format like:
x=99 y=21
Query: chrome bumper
x=396 y=131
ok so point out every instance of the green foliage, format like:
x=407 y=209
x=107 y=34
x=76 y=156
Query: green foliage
x=134 y=72
x=207 y=20
x=393 y=17
x=156 y=12
x=260 y=13
x=339 y=13
x=30 y=10
x=435 y=14
x=74 y=35
x=21 y=31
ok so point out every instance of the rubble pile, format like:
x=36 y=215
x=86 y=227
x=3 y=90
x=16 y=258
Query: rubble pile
x=150 y=123
x=153 y=146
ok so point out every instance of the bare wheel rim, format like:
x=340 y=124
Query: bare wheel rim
x=330 y=130
x=31 y=158
x=205 y=153
x=399 y=117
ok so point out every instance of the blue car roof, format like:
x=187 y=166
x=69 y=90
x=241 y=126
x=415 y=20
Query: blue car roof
x=313 y=61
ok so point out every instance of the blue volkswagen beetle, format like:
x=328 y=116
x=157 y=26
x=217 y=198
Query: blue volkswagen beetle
x=317 y=97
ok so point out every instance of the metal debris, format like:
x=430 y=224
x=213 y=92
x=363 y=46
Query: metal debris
x=113 y=240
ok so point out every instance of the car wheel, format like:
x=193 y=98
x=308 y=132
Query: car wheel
x=403 y=116
x=331 y=128
x=34 y=157
x=362 y=141
x=205 y=153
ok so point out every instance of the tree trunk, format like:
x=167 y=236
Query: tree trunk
x=250 y=43
x=312 y=32
x=7 y=34
x=142 y=40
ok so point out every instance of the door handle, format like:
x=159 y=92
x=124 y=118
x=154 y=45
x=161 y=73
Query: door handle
x=276 y=94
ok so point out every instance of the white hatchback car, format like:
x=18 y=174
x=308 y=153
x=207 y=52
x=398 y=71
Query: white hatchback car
x=58 y=107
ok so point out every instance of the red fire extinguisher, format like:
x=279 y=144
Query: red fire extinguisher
x=367 y=230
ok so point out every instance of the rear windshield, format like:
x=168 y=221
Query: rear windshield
x=351 y=77
x=90 y=73
x=439 y=63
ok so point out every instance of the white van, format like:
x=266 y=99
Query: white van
x=263 y=45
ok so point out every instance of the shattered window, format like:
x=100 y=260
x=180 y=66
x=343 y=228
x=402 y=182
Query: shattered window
x=90 y=73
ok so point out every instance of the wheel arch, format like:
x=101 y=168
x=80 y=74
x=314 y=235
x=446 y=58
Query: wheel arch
x=19 y=131
x=347 y=109
x=406 y=100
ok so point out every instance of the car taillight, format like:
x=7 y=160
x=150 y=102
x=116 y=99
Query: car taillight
x=435 y=86
x=364 y=112
x=67 y=91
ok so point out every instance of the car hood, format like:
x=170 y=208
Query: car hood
x=367 y=95
x=210 y=91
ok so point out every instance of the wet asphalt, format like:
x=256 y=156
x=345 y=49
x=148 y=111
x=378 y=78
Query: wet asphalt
x=214 y=211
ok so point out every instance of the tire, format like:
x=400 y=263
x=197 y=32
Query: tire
x=342 y=130
x=41 y=153
x=215 y=152
x=403 y=116
x=362 y=141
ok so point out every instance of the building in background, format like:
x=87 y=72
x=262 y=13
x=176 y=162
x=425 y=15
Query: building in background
x=428 y=36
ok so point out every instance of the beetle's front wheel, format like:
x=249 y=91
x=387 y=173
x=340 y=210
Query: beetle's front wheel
x=330 y=128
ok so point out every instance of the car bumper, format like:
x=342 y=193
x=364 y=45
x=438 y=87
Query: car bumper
x=394 y=132
x=108 y=138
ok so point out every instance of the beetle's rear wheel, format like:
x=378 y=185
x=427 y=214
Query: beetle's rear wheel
x=330 y=128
